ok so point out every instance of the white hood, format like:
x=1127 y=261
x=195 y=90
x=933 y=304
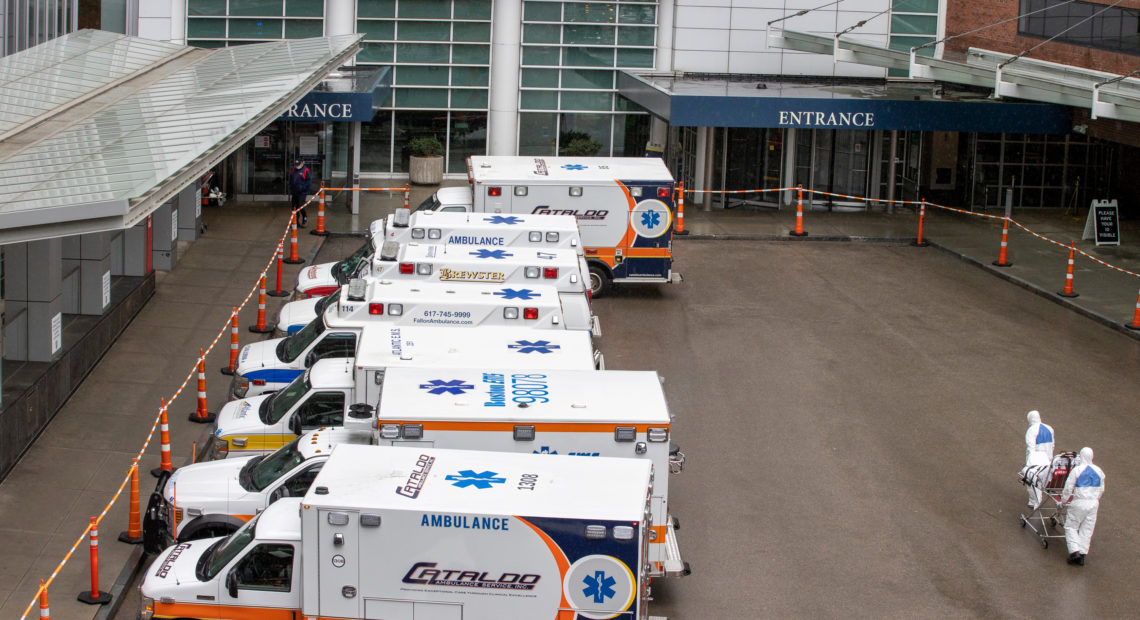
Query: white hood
x=314 y=276
x=211 y=487
x=173 y=567
x=240 y=417
x=297 y=314
x=258 y=355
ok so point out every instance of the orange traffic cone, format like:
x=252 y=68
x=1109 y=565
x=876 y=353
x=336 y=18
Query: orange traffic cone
x=294 y=258
x=262 y=327
x=201 y=415
x=234 y=346
x=320 y=229
x=45 y=612
x=133 y=535
x=164 y=447
x=1135 y=324
x=799 y=231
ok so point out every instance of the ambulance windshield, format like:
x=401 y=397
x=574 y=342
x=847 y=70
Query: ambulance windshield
x=279 y=403
x=344 y=270
x=221 y=552
x=431 y=204
x=294 y=345
x=272 y=467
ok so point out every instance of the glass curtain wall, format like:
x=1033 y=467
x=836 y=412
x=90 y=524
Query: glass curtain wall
x=1042 y=170
x=441 y=51
x=571 y=52
x=218 y=23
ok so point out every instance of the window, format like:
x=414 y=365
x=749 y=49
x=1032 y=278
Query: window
x=267 y=567
x=298 y=485
x=1087 y=24
x=335 y=345
x=322 y=409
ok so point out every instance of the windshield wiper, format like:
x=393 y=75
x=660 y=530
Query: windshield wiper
x=204 y=560
x=245 y=477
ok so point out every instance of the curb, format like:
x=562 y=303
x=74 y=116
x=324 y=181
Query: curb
x=130 y=570
x=809 y=237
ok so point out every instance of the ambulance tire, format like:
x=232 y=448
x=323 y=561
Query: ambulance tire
x=600 y=281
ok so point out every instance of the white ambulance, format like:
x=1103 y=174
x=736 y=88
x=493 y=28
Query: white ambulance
x=482 y=230
x=429 y=535
x=214 y=498
x=618 y=413
x=322 y=395
x=268 y=365
x=562 y=269
x=624 y=205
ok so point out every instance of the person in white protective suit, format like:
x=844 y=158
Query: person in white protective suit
x=1038 y=451
x=1082 y=492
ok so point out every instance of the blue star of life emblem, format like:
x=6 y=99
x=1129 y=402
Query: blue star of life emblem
x=484 y=253
x=545 y=450
x=439 y=386
x=538 y=346
x=574 y=166
x=503 y=219
x=599 y=586
x=524 y=294
x=468 y=478
x=649 y=219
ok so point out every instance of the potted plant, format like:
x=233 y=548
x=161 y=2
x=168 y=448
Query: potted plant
x=426 y=161
x=577 y=144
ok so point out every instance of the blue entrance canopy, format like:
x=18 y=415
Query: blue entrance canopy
x=773 y=102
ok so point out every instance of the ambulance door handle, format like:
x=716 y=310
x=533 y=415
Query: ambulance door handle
x=338 y=539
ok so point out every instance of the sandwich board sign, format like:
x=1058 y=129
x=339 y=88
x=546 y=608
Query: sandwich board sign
x=1103 y=223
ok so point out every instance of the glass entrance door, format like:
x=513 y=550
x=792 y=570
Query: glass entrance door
x=834 y=161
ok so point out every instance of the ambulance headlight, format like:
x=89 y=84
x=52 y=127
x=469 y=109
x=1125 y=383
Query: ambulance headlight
x=395 y=309
x=417 y=233
x=595 y=532
x=534 y=236
x=221 y=449
x=532 y=272
x=146 y=608
x=623 y=532
x=552 y=237
x=510 y=313
x=625 y=433
x=658 y=434
x=435 y=233
x=389 y=431
x=413 y=431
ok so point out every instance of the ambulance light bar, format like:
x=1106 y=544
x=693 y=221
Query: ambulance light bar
x=417 y=233
x=389 y=431
x=595 y=532
x=494 y=191
x=356 y=289
x=435 y=233
x=534 y=236
x=401 y=217
x=524 y=432
x=576 y=192
x=530 y=313
x=658 y=434
x=662 y=192
x=395 y=309
x=623 y=532
x=375 y=308
x=407 y=268
x=635 y=192
x=389 y=250
x=625 y=433
x=552 y=237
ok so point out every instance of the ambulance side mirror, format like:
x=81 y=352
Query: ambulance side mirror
x=295 y=423
x=231 y=582
x=311 y=359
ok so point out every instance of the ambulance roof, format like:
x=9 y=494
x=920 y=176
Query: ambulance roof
x=331 y=372
x=322 y=440
x=280 y=520
x=561 y=170
x=454 y=219
x=383 y=345
x=479 y=482
x=413 y=291
x=484 y=257
x=594 y=396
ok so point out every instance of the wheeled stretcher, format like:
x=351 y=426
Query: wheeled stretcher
x=1047 y=519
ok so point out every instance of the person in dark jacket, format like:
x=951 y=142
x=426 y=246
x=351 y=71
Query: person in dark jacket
x=300 y=181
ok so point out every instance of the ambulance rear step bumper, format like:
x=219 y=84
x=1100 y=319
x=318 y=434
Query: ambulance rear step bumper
x=674 y=565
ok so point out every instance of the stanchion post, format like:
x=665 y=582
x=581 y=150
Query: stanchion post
x=165 y=464
x=261 y=327
x=95 y=596
x=799 y=231
x=1003 y=252
x=294 y=258
x=407 y=195
x=1135 y=324
x=133 y=533
x=320 y=229
x=1068 y=290
x=234 y=345
x=921 y=222
x=201 y=414
x=680 y=229
x=280 y=269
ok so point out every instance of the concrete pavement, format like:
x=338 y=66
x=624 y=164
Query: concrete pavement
x=77 y=463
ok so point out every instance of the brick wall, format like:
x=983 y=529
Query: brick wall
x=966 y=15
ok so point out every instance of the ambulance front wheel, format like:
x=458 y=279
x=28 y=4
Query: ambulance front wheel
x=600 y=281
